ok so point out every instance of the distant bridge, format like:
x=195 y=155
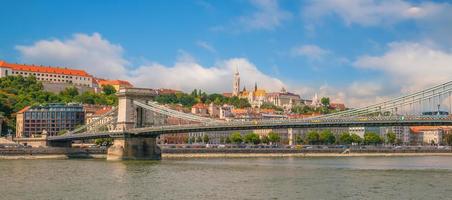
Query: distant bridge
x=137 y=120
x=266 y=124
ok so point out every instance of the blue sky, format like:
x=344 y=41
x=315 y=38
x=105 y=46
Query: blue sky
x=355 y=51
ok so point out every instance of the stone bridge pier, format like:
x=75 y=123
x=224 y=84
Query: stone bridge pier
x=129 y=146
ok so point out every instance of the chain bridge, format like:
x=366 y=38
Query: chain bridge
x=137 y=121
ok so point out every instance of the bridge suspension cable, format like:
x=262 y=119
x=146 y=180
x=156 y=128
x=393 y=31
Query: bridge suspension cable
x=399 y=102
x=108 y=118
x=155 y=107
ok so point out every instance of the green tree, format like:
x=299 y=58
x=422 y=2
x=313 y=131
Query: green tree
x=273 y=137
x=325 y=101
x=194 y=93
x=356 y=138
x=236 y=138
x=312 y=137
x=448 y=139
x=198 y=139
x=265 y=139
x=302 y=109
x=327 y=137
x=205 y=138
x=228 y=140
x=345 y=138
x=104 y=141
x=108 y=90
x=299 y=139
x=391 y=137
x=252 y=138
x=267 y=105
x=70 y=92
x=372 y=138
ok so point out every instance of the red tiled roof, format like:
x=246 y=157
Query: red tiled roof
x=339 y=106
x=300 y=116
x=167 y=91
x=23 y=110
x=227 y=94
x=44 y=69
x=102 y=111
x=114 y=82
x=200 y=106
x=239 y=111
x=417 y=129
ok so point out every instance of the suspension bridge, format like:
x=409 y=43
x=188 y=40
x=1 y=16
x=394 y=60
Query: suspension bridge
x=137 y=121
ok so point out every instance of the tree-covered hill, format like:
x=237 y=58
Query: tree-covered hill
x=17 y=92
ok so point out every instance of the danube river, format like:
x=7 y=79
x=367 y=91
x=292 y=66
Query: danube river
x=426 y=177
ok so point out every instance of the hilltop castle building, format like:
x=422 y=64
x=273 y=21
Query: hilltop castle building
x=257 y=96
x=47 y=73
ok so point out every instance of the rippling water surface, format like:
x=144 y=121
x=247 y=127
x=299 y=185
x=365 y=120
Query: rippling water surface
x=258 y=178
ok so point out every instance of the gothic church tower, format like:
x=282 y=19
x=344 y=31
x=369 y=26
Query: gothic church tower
x=236 y=83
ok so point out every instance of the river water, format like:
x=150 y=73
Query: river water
x=427 y=177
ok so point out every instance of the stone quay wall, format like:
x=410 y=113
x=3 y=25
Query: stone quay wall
x=52 y=151
x=294 y=151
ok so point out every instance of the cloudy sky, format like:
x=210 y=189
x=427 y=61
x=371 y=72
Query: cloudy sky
x=355 y=51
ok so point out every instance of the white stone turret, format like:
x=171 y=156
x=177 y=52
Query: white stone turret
x=316 y=101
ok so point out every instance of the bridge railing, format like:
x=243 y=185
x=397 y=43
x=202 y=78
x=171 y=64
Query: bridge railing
x=385 y=119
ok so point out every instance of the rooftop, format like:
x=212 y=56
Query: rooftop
x=43 y=69
x=115 y=82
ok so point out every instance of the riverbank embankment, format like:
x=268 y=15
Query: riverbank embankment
x=250 y=153
x=51 y=153
x=175 y=153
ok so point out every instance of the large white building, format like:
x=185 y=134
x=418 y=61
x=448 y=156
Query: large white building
x=47 y=74
x=402 y=133
x=284 y=99
x=258 y=96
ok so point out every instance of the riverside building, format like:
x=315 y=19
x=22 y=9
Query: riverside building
x=53 y=118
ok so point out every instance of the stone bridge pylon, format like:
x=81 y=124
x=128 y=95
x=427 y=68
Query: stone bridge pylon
x=130 y=146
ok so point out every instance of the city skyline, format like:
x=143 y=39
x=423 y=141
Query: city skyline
x=356 y=52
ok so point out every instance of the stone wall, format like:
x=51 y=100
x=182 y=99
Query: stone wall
x=282 y=150
x=51 y=151
x=58 y=87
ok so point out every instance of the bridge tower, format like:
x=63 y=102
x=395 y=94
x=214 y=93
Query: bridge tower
x=132 y=116
x=129 y=146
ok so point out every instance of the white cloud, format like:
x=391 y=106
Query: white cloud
x=406 y=67
x=99 y=57
x=205 y=45
x=268 y=15
x=88 y=52
x=371 y=12
x=413 y=66
x=186 y=76
x=311 y=51
x=356 y=94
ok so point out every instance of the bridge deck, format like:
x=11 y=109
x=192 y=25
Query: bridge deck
x=276 y=124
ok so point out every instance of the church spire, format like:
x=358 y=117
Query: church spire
x=236 y=83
